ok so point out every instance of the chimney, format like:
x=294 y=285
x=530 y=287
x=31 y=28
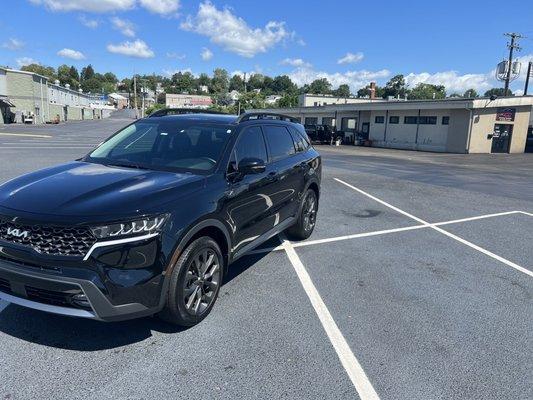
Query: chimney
x=372 y=90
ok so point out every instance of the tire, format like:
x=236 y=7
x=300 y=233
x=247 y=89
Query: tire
x=305 y=224
x=194 y=283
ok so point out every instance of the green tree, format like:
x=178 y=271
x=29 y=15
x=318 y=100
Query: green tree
x=220 y=81
x=424 y=91
x=204 y=80
x=48 y=72
x=395 y=87
x=497 y=92
x=110 y=77
x=92 y=85
x=365 y=91
x=256 y=82
x=288 y=100
x=342 y=91
x=87 y=72
x=283 y=84
x=65 y=77
x=183 y=82
x=471 y=93
x=320 y=86
x=252 y=100
x=236 y=83
x=74 y=75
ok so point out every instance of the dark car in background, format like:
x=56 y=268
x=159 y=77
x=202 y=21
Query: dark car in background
x=323 y=134
x=149 y=221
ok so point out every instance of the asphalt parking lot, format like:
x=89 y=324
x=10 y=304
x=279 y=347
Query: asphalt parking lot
x=416 y=284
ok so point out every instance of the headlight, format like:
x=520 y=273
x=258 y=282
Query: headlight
x=140 y=227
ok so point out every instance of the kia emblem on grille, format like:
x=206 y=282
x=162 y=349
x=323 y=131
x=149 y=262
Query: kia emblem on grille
x=17 y=233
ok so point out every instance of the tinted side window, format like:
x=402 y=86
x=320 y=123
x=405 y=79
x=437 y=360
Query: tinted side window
x=279 y=142
x=251 y=145
x=299 y=140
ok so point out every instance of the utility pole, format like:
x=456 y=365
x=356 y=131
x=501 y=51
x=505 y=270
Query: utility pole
x=511 y=46
x=135 y=93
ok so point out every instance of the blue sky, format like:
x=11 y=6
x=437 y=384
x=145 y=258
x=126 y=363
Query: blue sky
x=455 y=43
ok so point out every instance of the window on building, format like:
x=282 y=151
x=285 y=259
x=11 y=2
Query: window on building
x=446 y=120
x=311 y=120
x=428 y=120
x=348 y=124
x=279 y=141
x=380 y=119
x=329 y=121
x=394 y=119
x=410 y=120
x=316 y=103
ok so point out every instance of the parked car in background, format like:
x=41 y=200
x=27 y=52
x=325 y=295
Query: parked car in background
x=149 y=221
x=323 y=134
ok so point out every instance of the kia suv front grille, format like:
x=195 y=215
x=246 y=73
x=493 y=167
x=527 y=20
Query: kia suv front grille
x=49 y=240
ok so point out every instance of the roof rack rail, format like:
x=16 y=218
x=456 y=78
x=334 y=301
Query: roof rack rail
x=266 y=115
x=179 y=111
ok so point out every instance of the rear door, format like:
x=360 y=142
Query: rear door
x=285 y=169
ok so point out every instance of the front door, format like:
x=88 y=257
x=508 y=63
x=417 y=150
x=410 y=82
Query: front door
x=249 y=198
x=501 y=138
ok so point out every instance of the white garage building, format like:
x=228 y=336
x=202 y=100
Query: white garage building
x=452 y=125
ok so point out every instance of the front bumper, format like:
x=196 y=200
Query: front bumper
x=56 y=294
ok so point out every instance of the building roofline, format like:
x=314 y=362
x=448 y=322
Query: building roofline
x=18 y=71
x=460 y=103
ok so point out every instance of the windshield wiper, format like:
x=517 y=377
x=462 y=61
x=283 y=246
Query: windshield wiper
x=126 y=165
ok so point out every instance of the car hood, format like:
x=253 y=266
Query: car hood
x=87 y=189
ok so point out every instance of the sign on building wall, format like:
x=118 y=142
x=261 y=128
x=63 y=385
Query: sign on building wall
x=505 y=114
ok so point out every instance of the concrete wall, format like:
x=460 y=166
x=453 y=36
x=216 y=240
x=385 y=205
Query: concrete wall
x=28 y=92
x=433 y=137
x=483 y=125
x=458 y=131
x=56 y=109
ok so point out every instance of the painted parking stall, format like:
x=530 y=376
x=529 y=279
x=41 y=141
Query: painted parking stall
x=416 y=284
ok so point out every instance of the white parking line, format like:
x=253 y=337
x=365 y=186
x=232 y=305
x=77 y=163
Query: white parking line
x=451 y=235
x=384 y=232
x=455 y=221
x=25 y=135
x=350 y=363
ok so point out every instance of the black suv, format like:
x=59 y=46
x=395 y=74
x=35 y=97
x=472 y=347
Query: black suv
x=149 y=221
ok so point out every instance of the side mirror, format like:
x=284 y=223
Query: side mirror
x=248 y=166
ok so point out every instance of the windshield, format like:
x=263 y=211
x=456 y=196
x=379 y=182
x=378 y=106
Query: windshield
x=166 y=145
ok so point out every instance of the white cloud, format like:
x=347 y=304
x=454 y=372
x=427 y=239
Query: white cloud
x=351 y=58
x=123 y=26
x=355 y=79
x=98 y=6
x=295 y=62
x=163 y=7
x=73 y=54
x=176 y=56
x=89 y=23
x=206 y=54
x=232 y=32
x=26 y=61
x=13 y=44
x=170 y=72
x=453 y=81
x=138 y=49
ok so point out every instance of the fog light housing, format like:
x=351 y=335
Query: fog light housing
x=81 y=301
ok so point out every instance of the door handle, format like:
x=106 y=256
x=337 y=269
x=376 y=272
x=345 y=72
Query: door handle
x=272 y=175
